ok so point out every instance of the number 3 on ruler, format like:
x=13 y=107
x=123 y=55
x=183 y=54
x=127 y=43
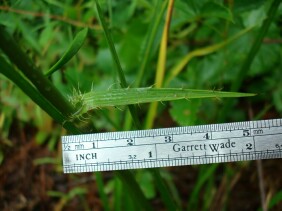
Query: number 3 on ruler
x=168 y=139
x=129 y=142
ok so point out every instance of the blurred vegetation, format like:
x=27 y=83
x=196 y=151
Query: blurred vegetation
x=61 y=47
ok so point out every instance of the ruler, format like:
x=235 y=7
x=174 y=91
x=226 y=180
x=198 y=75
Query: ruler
x=191 y=145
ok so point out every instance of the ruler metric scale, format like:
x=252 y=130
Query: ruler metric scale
x=191 y=145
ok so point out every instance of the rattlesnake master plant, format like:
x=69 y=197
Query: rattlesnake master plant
x=84 y=102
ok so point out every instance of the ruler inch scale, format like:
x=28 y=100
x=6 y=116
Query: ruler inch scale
x=178 y=146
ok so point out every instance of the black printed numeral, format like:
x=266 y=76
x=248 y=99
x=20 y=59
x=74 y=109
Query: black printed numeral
x=168 y=139
x=207 y=136
x=66 y=147
x=129 y=142
x=249 y=146
x=132 y=157
x=246 y=133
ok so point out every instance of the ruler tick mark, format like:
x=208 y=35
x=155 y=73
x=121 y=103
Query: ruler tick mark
x=190 y=145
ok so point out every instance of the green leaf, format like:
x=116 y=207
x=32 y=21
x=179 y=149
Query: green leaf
x=76 y=191
x=254 y=17
x=119 y=97
x=130 y=45
x=46 y=160
x=185 y=113
x=123 y=12
x=243 y=5
x=212 y=9
x=176 y=69
x=56 y=194
x=275 y=200
x=145 y=179
x=132 y=189
x=72 y=50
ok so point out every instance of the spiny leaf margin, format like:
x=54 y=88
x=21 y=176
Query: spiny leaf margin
x=129 y=96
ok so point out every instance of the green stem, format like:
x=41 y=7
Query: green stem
x=120 y=72
x=127 y=178
x=46 y=88
x=161 y=65
x=7 y=70
x=237 y=82
x=121 y=75
x=43 y=85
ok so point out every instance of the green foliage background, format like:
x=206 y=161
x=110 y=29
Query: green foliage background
x=45 y=30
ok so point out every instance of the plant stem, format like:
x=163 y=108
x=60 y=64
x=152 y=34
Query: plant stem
x=165 y=194
x=7 y=70
x=200 y=52
x=44 y=86
x=237 y=82
x=161 y=66
x=126 y=177
x=120 y=72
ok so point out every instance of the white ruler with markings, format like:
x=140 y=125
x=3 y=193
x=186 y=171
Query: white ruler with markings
x=191 y=145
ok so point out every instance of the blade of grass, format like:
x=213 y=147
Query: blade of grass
x=110 y=42
x=7 y=70
x=161 y=66
x=204 y=175
x=237 y=82
x=208 y=197
x=129 y=204
x=164 y=192
x=118 y=195
x=121 y=75
x=100 y=184
x=275 y=200
x=74 y=47
x=200 y=52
